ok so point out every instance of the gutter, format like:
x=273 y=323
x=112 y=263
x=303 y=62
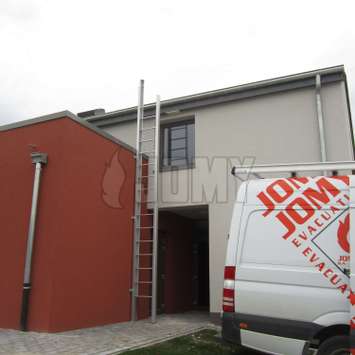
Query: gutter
x=38 y=159
x=233 y=93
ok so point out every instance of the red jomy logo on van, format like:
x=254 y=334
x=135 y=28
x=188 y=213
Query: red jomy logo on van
x=314 y=213
x=343 y=234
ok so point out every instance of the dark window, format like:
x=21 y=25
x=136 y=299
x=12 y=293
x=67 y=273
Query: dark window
x=178 y=144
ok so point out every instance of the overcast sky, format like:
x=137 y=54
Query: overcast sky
x=84 y=54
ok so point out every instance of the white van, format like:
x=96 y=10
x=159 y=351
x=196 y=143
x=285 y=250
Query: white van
x=287 y=278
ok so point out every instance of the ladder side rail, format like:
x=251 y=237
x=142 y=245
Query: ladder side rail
x=137 y=212
x=155 y=214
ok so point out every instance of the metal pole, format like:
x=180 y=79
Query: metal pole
x=38 y=159
x=298 y=167
x=320 y=120
x=137 y=222
x=156 y=213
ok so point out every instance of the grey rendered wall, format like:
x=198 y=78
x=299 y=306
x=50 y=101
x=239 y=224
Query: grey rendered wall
x=275 y=128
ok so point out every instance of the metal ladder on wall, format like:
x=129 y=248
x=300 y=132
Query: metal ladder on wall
x=145 y=247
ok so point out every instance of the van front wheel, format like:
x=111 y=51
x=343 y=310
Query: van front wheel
x=338 y=345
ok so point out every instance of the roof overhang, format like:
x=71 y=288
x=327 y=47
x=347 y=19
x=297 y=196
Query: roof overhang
x=185 y=103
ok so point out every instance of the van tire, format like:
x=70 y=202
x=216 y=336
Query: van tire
x=334 y=345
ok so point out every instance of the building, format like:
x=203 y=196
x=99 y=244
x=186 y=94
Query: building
x=298 y=118
x=81 y=269
x=82 y=253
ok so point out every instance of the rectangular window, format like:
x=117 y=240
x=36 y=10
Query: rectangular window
x=178 y=145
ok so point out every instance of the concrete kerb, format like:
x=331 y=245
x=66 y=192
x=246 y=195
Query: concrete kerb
x=158 y=341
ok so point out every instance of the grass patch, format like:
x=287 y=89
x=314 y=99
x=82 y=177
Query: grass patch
x=204 y=342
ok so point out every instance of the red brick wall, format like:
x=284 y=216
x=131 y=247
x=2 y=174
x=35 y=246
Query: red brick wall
x=82 y=254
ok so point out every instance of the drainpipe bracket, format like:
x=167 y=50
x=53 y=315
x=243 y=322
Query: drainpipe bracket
x=41 y=158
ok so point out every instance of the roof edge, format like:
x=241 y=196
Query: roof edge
x=70 y=115
x=263 y=86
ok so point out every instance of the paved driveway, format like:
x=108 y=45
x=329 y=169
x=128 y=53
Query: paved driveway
x=110 y=339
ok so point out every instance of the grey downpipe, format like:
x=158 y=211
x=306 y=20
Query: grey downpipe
x=320 y=120
x=38 y=159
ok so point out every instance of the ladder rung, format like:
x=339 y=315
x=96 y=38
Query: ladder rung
x=144 y=296
x=146 y=140
x=144 y=241
x=146 y=214
x=147 y=188
x=146 y=164
x=145 y=227
x=145 y=268
x=145 y=254
x=147 y=152
x=147 y=201
x=147 y=129
x=145 y=176
x=144 y=282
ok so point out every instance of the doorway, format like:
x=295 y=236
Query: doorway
x=183 y=260
x=162 y=243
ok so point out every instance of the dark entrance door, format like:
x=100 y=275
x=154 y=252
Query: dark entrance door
x=162 y=242
x=183 y=261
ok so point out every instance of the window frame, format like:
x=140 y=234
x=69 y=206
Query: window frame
x=180 y=122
